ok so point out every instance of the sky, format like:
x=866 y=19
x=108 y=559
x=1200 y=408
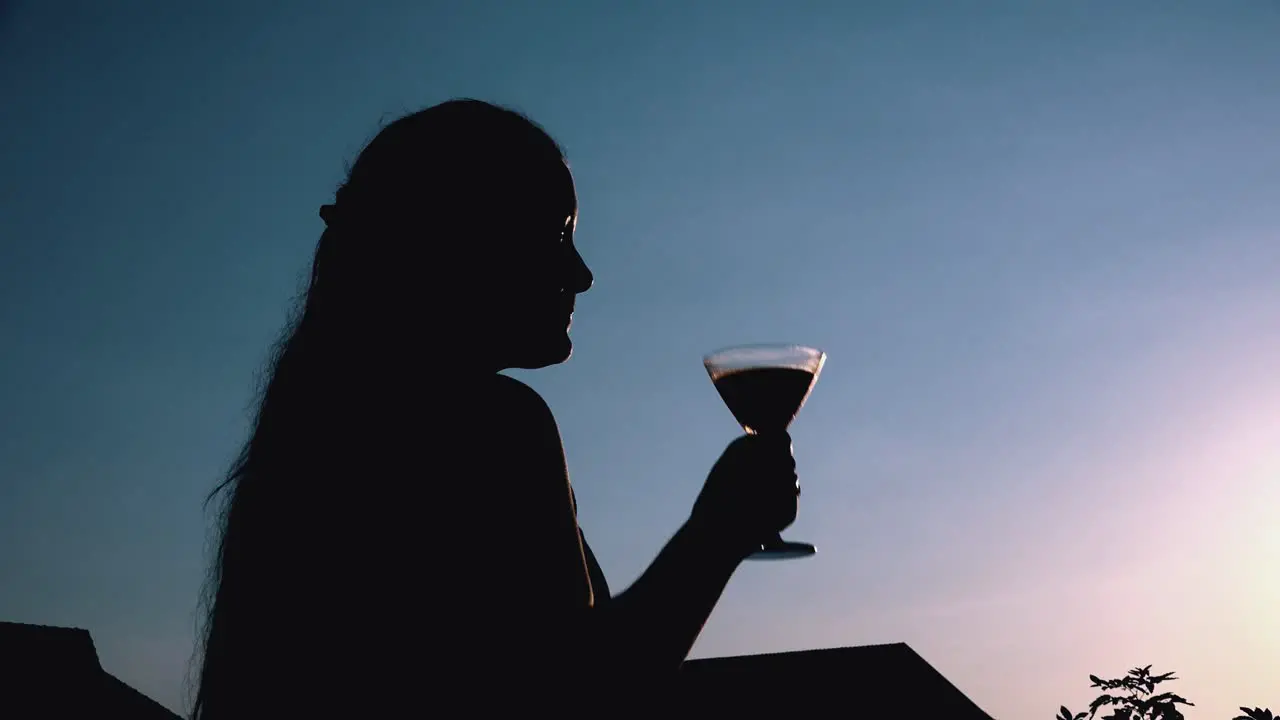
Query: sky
x=1039 y=242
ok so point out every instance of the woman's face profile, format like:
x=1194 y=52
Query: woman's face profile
x=536 y=271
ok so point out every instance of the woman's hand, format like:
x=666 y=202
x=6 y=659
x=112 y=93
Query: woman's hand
x=750 y=493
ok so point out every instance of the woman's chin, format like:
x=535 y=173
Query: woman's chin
x=562 y=350
x=549 y=352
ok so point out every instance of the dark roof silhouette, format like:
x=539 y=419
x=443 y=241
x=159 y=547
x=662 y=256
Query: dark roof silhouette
x=871 y=681
x=54 y=672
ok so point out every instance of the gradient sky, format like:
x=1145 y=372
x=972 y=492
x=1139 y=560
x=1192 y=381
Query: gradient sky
x=1039 y=242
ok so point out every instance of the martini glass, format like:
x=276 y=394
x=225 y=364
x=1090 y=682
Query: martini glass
x=764 y=387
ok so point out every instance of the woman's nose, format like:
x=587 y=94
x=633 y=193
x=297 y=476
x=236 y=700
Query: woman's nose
x=580 y=277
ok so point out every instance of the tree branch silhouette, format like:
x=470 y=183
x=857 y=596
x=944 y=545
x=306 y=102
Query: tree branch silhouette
x=1134 y=697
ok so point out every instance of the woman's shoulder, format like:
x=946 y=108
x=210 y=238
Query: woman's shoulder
x=512 y=438
x=516 y=394
x=503 y=402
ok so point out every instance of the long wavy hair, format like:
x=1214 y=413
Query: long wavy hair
x=298 y=542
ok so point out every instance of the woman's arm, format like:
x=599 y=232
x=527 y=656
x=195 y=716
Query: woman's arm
x=656 y=620
x=536 y=551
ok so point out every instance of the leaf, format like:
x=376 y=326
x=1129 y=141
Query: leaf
x=1100 y=701
x=1064 y=713
x=1171 y=699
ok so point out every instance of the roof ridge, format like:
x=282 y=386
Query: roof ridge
x=811 y=651
x=62 y=628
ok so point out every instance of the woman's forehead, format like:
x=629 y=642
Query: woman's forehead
x=550 y=188
x=568 y=191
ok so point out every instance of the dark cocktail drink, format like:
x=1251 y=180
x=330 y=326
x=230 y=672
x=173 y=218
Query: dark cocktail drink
x=764 y=399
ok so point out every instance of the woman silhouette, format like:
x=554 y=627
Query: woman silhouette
x=400 y=522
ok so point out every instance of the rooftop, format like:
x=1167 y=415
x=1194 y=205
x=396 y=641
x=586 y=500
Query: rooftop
x=54 y=672
x=883 y=680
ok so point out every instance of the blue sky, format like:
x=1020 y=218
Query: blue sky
x=1037 y=240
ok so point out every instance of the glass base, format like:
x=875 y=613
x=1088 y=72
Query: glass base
x=783 y=550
